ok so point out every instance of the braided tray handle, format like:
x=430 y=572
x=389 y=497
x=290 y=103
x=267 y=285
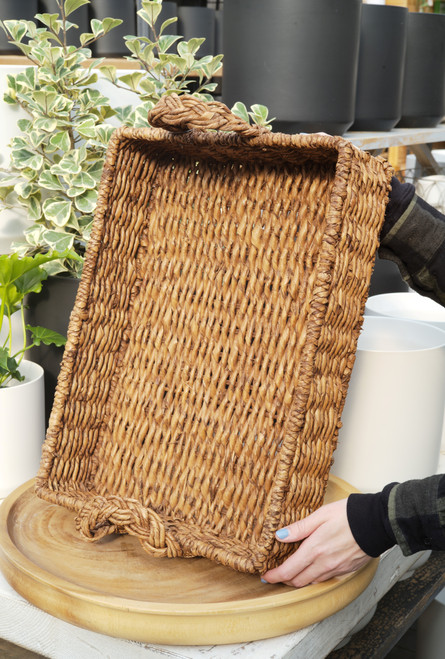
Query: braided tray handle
x=179 y=114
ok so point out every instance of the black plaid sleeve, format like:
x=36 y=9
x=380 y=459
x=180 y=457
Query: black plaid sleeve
x=416 y=512
x=416 y=243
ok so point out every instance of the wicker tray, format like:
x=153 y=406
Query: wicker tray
x=213 y=335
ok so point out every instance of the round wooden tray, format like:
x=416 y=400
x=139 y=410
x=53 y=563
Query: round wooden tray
x=115 y=588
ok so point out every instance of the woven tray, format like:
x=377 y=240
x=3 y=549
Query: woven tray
x=213 y=335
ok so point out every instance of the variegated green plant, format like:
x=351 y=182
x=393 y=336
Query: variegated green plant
x=57 y=160
x=168 y=64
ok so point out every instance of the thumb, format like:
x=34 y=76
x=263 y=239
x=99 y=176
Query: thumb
x=299 y=530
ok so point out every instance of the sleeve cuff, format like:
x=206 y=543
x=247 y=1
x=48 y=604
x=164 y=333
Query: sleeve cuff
x=399 y=199
x=369 y=522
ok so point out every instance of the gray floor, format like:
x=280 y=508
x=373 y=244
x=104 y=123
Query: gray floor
x=10 y=651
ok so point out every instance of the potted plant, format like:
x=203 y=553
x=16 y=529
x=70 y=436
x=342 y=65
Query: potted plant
x=22 y=419
x=57 y=158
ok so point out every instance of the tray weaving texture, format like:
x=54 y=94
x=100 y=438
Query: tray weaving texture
x=213 y=335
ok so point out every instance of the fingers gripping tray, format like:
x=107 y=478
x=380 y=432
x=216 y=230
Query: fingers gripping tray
x=213 y=335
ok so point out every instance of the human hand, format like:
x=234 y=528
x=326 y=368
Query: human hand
x=328 y=548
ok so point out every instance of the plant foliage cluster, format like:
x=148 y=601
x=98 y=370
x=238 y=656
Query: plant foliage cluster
x=20 y=276
x=57 y=158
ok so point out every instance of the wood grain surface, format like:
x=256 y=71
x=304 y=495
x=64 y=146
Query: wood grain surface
x=115 y=588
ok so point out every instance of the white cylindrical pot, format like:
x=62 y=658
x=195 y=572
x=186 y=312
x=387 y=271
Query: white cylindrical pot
x=432 y=189
x=410 y=306
x=392 y=419
x=22 y=428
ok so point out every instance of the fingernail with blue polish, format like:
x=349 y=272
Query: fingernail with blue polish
x=263 y=580
x=282 y=533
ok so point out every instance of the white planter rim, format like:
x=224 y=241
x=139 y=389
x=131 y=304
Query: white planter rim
x=385 y=334
x=30 y=370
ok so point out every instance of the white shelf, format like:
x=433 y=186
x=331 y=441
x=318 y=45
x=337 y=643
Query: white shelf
x=396 y=137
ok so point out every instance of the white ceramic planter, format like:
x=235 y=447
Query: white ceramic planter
x=392 y=419
x=22 y=428
x=432 y=189
x=410 y=307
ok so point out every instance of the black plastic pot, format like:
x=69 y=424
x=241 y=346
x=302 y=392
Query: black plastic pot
x=51 y=308
x=219 y=40
x=192 y=3
x=423 y=97
x=169 y=10
x=15 y=10
x=297 y=57
x=383 y=33
x=79 y=17
x=198 y=22
x=113 y=44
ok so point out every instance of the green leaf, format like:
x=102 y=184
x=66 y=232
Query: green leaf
x=95 y=170
x=24 y=125
x=193 y=45
x=109 y=72
x=86 y=203
x=150 y=12
x=67 y=166
x=9 y=368
x=49 y=181
x=16 y=29
x=34 y=208
x=72 y=5
x=45 y=100
x=57 y=211
x=61 y=140
x=124 y=113
x=26 y=158
x=57 y=240
x=51 y=21
x=25 y=190
x=5 y=191
x=87 y=128
x=86 y=37
x=240 y=110
x=46 y=336
x=132 y=80
x=96 y=26
x=260 y=111
x=47 y=124
x=110 y=23
x=83 y=180
x=166 y=41
x=168 y=22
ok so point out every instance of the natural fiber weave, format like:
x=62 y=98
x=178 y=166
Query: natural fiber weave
x=213 y=335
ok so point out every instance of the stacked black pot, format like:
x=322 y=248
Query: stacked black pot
x=298 y=58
